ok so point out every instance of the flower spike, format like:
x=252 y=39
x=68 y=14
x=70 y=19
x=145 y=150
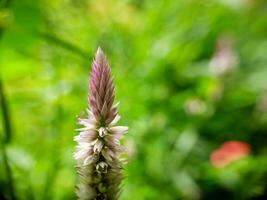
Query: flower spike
x=98 y=148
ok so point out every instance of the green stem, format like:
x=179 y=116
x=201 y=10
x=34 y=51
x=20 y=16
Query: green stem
x=8 y=132
x=9 y=173
x=6 y=114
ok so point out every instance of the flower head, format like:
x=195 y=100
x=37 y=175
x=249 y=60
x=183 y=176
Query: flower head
x=229 y=152
x=98 y=164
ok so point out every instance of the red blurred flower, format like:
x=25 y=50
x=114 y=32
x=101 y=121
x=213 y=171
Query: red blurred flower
x=229 y=152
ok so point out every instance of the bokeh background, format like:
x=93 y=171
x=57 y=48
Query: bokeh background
x=191 y=78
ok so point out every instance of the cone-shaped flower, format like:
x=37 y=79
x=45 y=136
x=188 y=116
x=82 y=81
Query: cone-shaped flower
x=98 y=164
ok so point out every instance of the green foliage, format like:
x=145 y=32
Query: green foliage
x=178 y=111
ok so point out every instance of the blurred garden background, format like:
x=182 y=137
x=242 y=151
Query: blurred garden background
x=191 y=78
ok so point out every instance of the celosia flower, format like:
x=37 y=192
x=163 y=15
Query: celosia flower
x=98 y=149
x=229 y=152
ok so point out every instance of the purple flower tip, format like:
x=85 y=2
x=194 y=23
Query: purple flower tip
x=102 y=89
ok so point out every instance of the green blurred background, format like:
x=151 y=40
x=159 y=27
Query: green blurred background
x=189 y=75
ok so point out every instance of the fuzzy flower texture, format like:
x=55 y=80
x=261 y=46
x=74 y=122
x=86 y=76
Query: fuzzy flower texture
x=98 y=149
